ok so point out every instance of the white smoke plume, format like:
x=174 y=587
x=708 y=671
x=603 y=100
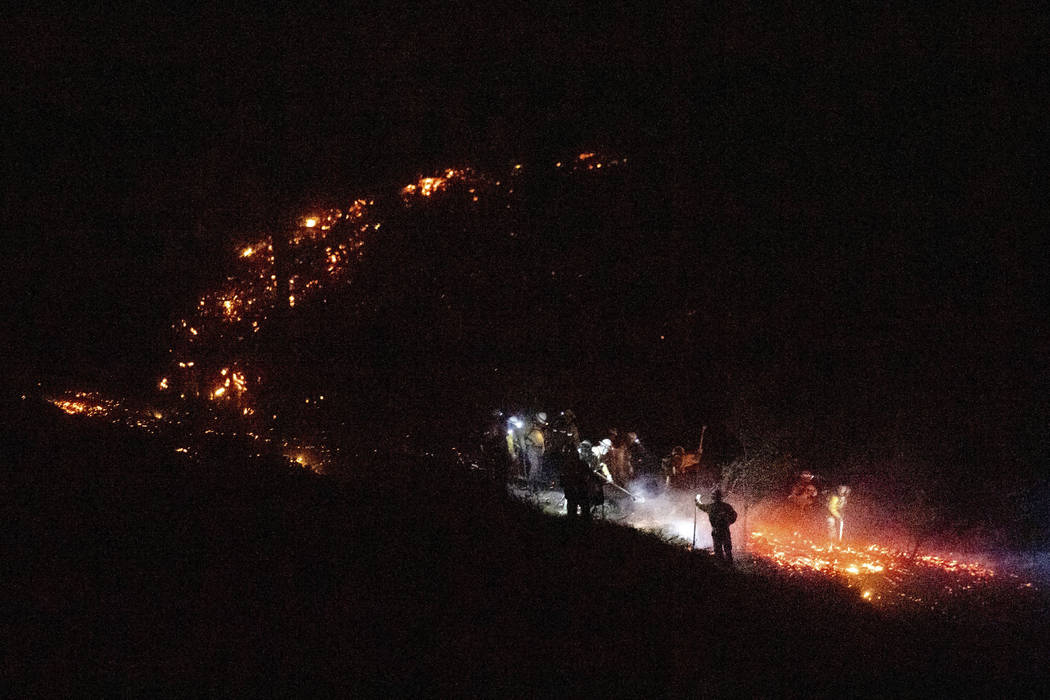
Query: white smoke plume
x=670 y=513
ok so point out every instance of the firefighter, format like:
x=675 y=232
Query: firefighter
x=535 y=441
x=497 y=448
x=562 y=437
x=802 y=496
x=599 y=473
x=566 y=425
x=618 y=457
x=672 y=464
x=836 y=504
x=575 y=475
x=516 y=431
x=721 y=515
x=592 y=456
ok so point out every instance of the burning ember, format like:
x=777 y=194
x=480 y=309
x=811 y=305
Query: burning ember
x=86 y=404
x=887 y=576
x=800 y=554
x=324 y=249
x=880 y=575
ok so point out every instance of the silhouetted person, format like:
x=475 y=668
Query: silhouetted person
x=496 y=449
x=575 y=477
x=803 y=495
x=721 y=515
x=597 y=473
x=562 y=438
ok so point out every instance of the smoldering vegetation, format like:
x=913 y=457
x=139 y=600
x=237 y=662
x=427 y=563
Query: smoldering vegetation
x=132 y=569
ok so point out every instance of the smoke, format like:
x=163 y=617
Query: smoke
x=668 y=513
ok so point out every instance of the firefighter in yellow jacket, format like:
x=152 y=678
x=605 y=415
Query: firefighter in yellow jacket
x=534 y=448
x=836 y=504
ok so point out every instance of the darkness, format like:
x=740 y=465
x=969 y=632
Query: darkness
x=844 y=203
x=135 y=569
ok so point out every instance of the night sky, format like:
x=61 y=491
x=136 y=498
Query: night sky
x=850 y=198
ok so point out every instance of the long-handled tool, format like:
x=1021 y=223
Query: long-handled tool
x=694 y=527
x=616 y=486
x=620 y=488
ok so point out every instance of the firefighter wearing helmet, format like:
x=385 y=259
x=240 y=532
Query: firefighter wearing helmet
x=836 y=506
x=576 y=477
x=802 y=497
x=534 y=444
x=721 y=515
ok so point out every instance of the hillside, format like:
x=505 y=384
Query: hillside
x=134 y=568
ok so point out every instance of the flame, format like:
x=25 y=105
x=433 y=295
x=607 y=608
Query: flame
x=427 y=186
x=871 y=566
x=325 y=246
x=85 y=408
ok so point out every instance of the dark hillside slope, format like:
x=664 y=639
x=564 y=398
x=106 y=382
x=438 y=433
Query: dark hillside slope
x=131 y=567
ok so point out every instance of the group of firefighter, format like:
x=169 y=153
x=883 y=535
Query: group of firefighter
x=540 y=450
x=805 y=494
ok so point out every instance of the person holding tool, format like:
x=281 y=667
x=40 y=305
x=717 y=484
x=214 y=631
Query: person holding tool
x=836 y=504
x=721 y=515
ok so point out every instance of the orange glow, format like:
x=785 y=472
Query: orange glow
x=86 y=404
x=427 y=186
x=878 y=572
x=357 y=209
x=327 y=242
